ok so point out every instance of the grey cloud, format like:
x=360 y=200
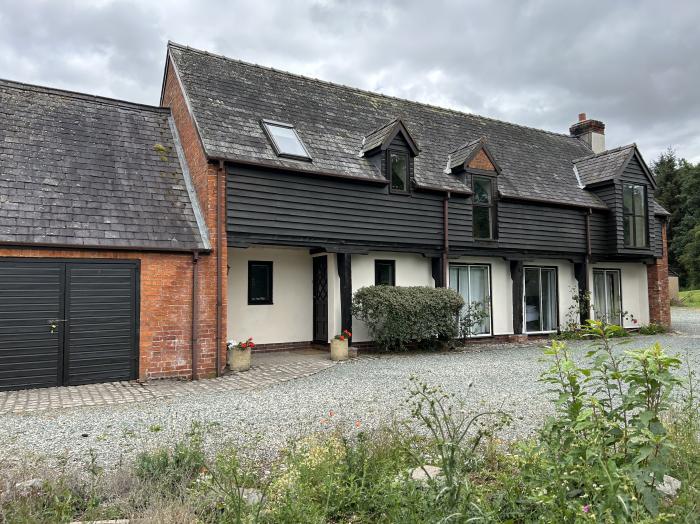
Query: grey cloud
x=631 y=64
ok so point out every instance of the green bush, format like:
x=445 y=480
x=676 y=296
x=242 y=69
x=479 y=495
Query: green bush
x=653 y=329
x=396 y=316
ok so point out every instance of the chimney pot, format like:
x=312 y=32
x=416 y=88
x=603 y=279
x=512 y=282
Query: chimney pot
x=592 y=132
x=581 y=117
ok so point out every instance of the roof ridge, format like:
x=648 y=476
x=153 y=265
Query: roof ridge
x=366 y=91
x=66 y=93
x=603 y=153
x=387 y=124
x=467 y=144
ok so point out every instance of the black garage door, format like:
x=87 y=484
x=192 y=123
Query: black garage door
x=67 y=323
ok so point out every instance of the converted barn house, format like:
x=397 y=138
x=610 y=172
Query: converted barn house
x=135 y=240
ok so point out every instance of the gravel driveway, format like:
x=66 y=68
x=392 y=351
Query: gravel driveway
x=372 y=391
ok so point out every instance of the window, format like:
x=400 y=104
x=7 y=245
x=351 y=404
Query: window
x=259 y=282
x=634 y=212
x=398 y=170
x=473 y=282
x=285 y=140
x=384 y=273
x=483 y=208
x=540 y=299
x=607 y=296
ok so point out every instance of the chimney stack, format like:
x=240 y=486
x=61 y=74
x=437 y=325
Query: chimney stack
x=592 y=132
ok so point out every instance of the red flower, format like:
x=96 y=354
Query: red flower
x=331 y=413
x=341 y=337
x=252 y=345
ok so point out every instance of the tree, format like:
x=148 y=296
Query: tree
x=679 y=192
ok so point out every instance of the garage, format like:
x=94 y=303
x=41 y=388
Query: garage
x=67 y=322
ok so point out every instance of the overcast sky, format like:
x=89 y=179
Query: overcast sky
x=633 y=65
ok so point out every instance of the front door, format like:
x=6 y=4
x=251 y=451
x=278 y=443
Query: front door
x=320 y=299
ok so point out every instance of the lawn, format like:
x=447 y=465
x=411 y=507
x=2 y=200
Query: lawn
x=691 y=298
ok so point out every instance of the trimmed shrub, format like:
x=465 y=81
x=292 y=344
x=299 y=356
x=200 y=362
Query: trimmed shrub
x=396 y=316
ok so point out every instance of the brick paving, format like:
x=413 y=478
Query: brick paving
x=267 y=369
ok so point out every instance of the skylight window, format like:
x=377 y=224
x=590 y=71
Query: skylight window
x=285 y=140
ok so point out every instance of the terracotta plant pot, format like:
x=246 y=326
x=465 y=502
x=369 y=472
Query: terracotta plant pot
x=239 y=359
x=339 y=349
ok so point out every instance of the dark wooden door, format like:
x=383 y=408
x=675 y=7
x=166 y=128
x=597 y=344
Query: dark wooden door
x=67 y=323
x=320 y=299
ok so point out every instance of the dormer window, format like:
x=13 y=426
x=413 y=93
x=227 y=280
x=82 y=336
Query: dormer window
x=285 y=140
x=634 y=212
x=482 y=221
x=399 y=171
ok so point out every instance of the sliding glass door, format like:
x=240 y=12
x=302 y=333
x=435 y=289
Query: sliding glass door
x=607 y=296
x=540 y=299
x=473 y=282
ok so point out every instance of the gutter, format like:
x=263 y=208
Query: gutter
x=446 y=237
x=219 y=302
x=195 y=316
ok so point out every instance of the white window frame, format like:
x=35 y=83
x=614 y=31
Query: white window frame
x=556 y=300
x=490 y=295
x=266 y=127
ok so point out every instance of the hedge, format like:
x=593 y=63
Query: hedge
x=396 y=316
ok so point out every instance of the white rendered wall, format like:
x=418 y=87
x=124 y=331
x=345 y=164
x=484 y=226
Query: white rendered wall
x=411 y=270
x=567 y=286
x=635 y=289
x=501 y=292
x=289 y=317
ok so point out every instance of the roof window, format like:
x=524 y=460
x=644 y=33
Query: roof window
x=285 y=140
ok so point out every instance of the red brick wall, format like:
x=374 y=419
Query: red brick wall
x=205 y=177
x=657 y=277
x=481 y=161
x=166 y=305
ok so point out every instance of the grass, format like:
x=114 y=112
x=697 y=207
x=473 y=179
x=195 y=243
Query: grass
x=690 y=298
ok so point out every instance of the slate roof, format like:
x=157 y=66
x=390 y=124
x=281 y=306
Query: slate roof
x=603 y=166
x=376 y=138
x=88 y=171
x=229 y=97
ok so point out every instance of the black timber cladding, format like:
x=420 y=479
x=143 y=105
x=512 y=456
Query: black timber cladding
x=67 y=322
x=80 y=170
x=270 y=207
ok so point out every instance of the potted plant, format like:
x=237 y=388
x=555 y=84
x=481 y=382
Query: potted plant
x=239 y=354
x=339 y=346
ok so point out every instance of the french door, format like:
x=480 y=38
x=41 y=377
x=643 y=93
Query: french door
x=473 y=282
x=607 y=296
x=540 y=299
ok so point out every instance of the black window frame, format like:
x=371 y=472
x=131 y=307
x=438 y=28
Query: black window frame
x=392 y=264
x=265 y=125
x=407 y=156
x=632 y=243
x=491 y=206
x=269 y=300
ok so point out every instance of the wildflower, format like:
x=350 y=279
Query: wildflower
x=331 y=413
x=586 y=508
x=358 y=423
x=324 y=421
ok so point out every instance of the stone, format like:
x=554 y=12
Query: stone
x=426 y=472
x=669 y=486
x=251 y=495
x=29 y=487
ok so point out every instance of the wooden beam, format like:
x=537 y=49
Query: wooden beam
x=345 y=274
x=516 y=273
x=581 y=275
x=436 y=268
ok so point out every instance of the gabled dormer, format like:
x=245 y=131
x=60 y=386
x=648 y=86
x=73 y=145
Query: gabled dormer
x=477 y=168
x=621 y=179
x=393 y=149
x=472 y=157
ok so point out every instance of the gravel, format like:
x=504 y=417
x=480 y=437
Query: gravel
x=371 y=391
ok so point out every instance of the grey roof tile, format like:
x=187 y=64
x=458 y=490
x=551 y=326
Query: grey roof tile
x=603 y=166
x=72 y=167
x=229 y=98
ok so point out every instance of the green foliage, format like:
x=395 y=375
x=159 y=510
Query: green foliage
x=396 y=316
x=690 y=298
x=653 y=329
x=606 y=448
x=172 y=469
x=679 y=192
